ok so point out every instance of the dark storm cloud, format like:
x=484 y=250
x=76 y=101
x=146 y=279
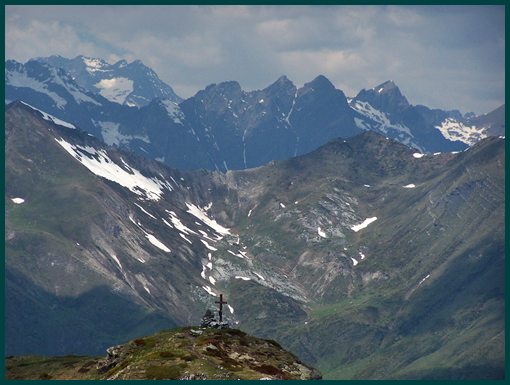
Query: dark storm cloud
x=441 y=56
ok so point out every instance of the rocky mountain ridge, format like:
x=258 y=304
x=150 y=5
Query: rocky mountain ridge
x=223 y=126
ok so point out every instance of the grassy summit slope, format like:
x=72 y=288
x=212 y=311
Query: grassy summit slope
x=183 y=353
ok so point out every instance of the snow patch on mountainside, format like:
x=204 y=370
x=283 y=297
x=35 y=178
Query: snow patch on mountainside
x=178 y=224
x=372 y=119
x=22 y=80
x=156 y=242
x=78 y=95
x=209 y=291
x=364 y=224
x=116 y=89
x=173 y=110
x=185 y=238
x=205 y=235
x=287 y=117
x=423 y=280
x=239 y=255
x=197 y=212
x=112 y=135
x=454 y=130
x=380 y=118
x=114 y=257
x=360 y=123
x=208 y=245
x=51 y=118
x=98 y=162
x=145 y=211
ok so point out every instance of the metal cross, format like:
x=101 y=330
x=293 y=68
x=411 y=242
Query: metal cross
x=221 y=303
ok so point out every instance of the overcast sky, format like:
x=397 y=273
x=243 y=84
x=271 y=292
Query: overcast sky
x=441 y=56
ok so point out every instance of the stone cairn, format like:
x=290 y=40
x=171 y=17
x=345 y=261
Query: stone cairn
x=208 y=321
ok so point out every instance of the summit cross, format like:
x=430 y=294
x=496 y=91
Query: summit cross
x=221 y=303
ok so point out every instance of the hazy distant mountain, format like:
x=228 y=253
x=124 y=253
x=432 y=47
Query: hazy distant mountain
x=365 y=258
x=224 y=127
x=132 y=84
x=493 y=123
x=385 y=110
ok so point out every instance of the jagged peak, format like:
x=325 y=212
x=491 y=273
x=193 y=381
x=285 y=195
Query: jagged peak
x=226 y=85
x=137 y=62
x=37 y=61
x=282 y=82
x=283 y=79
x=46 y=58
x=12 y=62
x=320 y=81
x=385 y=96
x=385 y=86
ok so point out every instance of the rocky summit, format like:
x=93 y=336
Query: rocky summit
x=178 y=354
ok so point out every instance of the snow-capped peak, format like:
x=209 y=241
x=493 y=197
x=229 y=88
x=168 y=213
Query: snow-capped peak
x=93 y=64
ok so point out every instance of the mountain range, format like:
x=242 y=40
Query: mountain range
x=223 y=127
x=366 y=258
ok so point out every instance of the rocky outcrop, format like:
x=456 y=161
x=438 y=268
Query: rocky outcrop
x=114 y=355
